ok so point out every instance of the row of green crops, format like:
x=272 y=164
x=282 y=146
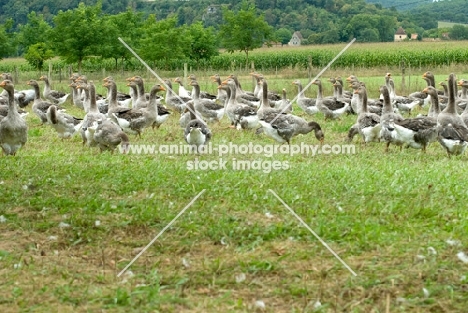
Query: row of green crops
x=359 y=55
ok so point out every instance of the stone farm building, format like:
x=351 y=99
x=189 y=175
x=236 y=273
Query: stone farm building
x=296 y=39
x=400 y=34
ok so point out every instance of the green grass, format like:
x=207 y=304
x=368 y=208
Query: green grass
x=447 y=24
x=382 y=213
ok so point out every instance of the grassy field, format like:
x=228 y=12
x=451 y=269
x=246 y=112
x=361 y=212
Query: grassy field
x=447 y=24
x=72 y=219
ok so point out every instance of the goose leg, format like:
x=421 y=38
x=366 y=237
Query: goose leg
x=387 y=146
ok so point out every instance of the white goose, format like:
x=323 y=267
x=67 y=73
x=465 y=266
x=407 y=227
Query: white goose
x=76 y=94
x=196 y=133
x=133 y=121
x=233 y=107
x=182 y=91
x=221 y=95
x=174 y=101
x=109 y=135
x=403 y=104
x=452 y=130
x=305 y=103
x=65 y=124
x=368 y=124
x=208 y=109
x=331 y=109
x=387 y=120
x=416 y=132
x=13 y=128
x=93 y=114
x=284 y=127
x=285 y=105
x=39 y=106
x=57 y=97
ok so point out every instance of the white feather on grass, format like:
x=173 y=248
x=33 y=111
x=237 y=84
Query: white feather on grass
x=462 y=256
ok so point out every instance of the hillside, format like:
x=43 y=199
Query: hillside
x=312 y=15
x=428 y=10
x=450 y=11
x=319 y=21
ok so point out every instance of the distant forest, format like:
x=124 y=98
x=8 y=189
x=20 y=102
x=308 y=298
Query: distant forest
x=314 y=15
x=319 y=21
x=401 y=5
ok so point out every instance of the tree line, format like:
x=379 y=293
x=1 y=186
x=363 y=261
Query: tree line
x=175 y=31
x=86 y=32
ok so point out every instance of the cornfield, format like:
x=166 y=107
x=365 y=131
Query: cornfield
x=408 y=54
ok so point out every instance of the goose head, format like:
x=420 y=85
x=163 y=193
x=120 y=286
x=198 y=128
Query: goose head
x=216 y=78
x=351 y=79
x=74 y=76
x=130 y=84
x=32 y=82
x=317 y=131
x=108 y=78
x=296 y=82
x=7 y=84
x=192 y=77
x=7 y=76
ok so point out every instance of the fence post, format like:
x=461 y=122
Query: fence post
x=50 y=70
x=309 y=67
x=252 y=70
x=403 y=70
x=15 y=75
x=185 y=74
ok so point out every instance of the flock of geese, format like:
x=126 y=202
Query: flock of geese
x=108 y=121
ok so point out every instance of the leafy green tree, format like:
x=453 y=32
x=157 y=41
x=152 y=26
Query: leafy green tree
x=114 y=6
x=78 y=33
x=6 y=39
x=283 y=35
x=442 y=32
x=34 y=31
x=386 y=26
x=16 y=10
x=291 y=20
x=368 y=35
x=363 y=27
x=202 y=42
x=161 y=40
x=458 y=32
x=5 y=47
x=314 y=39
x=125 y=25
x=330 y=36
x=37 y=54
x=244 y=30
